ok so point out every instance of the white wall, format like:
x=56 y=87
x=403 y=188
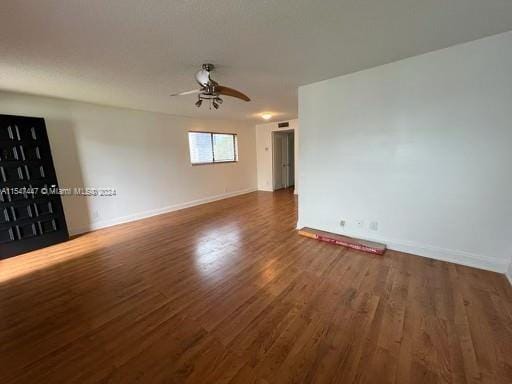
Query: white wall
x=143 y=155
x=422 y=146
x=264 y=152
x=509 y=273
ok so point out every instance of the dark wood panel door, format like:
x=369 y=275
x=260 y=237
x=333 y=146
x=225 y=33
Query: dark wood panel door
x=29 y=218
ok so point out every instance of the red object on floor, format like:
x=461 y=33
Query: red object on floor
x=350 y=242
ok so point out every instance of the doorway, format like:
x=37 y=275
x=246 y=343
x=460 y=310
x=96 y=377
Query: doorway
x=283 y=159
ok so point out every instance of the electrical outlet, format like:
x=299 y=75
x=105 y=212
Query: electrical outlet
x=374 y=226
x=360 y=223
x=95 y=215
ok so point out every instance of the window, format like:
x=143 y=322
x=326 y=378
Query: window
x=210 y=147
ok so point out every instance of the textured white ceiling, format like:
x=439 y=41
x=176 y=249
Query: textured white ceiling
x=134 y=53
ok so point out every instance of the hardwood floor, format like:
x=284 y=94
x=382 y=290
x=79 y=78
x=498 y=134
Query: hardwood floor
x=228 y=293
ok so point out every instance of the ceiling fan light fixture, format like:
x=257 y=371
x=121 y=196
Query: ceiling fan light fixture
x=210 y=90
x=266 y=116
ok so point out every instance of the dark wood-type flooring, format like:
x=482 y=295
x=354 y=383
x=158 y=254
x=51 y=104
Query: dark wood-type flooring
x=227 y=292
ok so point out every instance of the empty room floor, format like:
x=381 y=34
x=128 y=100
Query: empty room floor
x=227 y=292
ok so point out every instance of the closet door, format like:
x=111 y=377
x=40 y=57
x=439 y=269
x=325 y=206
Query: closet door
x=29 y=219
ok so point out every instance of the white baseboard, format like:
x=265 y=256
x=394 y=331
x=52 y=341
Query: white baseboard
x=451 y=255
x=444 y=254
x=509 y=274
x=295 y=192
x=154 y=212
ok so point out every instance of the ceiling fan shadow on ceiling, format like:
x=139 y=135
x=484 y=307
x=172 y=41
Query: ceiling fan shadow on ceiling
x=210 y=91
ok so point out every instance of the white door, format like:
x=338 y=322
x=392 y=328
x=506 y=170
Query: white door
x=285 y=165
x=283 y=160
x=278 y=161
x=291 y=159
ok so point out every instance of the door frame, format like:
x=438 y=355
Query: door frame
x=288 y=133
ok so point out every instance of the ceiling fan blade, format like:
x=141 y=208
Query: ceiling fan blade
x=203 y=77
x=231 y=92
x=186 y=92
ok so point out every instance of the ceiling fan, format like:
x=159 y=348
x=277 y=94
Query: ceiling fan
x=210 y=90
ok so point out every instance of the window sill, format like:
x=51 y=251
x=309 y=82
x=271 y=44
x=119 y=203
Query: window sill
x=216 y=162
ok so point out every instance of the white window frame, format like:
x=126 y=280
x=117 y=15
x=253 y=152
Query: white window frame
x=235 y=148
